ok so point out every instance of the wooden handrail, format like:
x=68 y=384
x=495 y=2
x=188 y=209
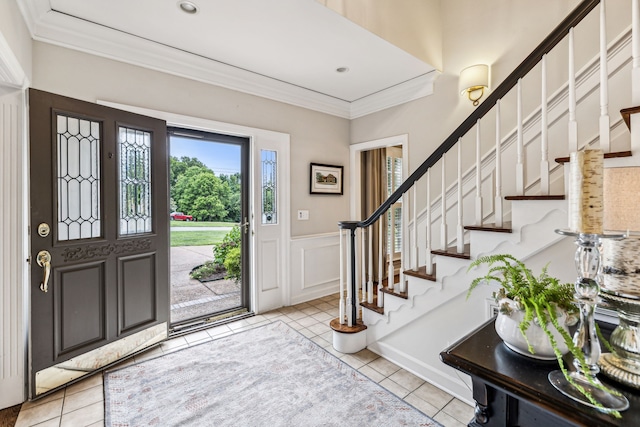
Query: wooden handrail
x=560 y=32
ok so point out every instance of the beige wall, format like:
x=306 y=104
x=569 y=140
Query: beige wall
x=315 y=137
x=411 y=25
x=500 y=33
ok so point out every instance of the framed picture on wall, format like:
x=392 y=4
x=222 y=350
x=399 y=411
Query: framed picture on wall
x=326 y=179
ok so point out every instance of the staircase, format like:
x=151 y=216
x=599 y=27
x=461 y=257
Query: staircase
x=495 y=185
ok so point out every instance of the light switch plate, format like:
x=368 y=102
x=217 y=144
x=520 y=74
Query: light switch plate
x=303 y=215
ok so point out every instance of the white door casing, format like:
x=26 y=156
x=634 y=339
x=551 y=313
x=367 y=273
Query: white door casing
x=14 y=238
x=269 y=243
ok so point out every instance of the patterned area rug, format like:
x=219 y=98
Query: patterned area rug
x=268 y=376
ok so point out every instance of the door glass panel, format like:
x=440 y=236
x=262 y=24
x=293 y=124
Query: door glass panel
x=269 y=186
x=135 y=180
x=78 y=170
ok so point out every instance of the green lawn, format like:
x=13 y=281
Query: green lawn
x=201 y=224
x=197 y=238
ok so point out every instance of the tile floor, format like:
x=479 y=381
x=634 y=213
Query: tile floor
x=81 y=404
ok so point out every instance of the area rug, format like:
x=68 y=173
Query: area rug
x=267 y=376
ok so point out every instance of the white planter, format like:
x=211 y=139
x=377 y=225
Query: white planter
x=507 y=327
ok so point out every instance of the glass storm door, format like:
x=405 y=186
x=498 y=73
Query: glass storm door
x=99 y=245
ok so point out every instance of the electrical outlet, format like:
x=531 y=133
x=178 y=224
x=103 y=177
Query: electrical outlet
x=303 y=215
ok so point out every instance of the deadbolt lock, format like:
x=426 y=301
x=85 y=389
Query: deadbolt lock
x=44 y=229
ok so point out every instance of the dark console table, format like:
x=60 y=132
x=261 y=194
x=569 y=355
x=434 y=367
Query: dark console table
x=512 y=390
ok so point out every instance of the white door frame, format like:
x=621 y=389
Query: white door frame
x=354 y=161
x=14 y=236
x=260 y=302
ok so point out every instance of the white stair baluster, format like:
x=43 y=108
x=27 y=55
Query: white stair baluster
x=605 y=128
x=429 y=255
x=519 y=143
x=460 y=226
x=380 y=260
x=350 y=297
x=402 y=287
x=363 y=269
x=342 y=301
x=390 y=272
x=443 y=204
x=544 y=133
x=498 y=196
x=479 y=207
x=370 y=266
x=573 y=124
x=416 y=249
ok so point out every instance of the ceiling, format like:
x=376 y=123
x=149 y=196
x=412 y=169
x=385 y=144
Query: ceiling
x=287 y=50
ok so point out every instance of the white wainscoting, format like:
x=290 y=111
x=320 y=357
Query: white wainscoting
x=315 y=266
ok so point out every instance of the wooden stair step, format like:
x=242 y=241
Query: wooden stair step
x=626 y=114
x=614 y=155
x=373 y=306
x=422 y=273
x=505 y=228
x=453 y=252
x=538 y=197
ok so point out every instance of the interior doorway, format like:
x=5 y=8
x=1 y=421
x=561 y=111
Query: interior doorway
x=208 y=213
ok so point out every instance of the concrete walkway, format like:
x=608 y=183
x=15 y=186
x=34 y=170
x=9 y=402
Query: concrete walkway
x=191 y=298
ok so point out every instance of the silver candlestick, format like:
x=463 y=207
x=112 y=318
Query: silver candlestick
x=588 y=263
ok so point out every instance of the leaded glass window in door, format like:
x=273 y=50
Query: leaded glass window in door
x=134 y=149
x=269 y=208
x=78 y=148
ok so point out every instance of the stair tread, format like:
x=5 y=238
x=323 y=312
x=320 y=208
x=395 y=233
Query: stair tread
x=505 y=228
x=453 y=252
x=537 y=197
x=404 y=295
x=614 y=155
x=373 y=306
x=422 y=273
x=626 y=114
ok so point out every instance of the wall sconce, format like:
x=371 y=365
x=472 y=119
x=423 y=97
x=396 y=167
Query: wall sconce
x=473 y=80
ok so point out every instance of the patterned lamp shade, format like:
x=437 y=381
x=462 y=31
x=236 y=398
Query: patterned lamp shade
x=621 y=258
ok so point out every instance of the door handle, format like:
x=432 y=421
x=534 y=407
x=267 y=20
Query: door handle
x=44 y=260
x=245 y=225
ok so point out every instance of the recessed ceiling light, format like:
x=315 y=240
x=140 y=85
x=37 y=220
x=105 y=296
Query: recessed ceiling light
x=188 y=7
x=342 y=69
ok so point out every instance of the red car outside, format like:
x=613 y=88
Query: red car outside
x=179 y=216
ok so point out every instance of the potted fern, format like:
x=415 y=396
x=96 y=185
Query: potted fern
x=540 y=307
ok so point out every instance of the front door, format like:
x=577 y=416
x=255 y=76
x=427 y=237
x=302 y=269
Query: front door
x=99 y=244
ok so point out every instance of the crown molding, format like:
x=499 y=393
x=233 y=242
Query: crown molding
x=65 y=31
x=11 y=72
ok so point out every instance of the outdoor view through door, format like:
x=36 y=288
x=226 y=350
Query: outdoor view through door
x=208 y=213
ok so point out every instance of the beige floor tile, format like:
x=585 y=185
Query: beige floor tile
x=53 y=396
x=426 y=407
x=295 y=315
x=319 y=328
x=39 y=414
x=433 y=395
x=83 y=416
x=218 y=331
x=385 y=367
x=256 y=319
x=372 y=373
x=321 y=341
x=366 y=356
x=394 y=388
x=407 y=380
x=307 y=321
x=447 y=420
x=322 y=317
x=302 y=305
x=324 y=306
x=327 y=336
x=54 y=422
x=310 y=310
x=82 y=399
x=307 y=333
x=352 y=361
x=459 y=410
x=197 y=337
x=173 y=343
x=295 y=325
x=92 y=381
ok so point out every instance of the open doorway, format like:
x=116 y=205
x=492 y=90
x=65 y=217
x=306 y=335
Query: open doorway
x=208 y=211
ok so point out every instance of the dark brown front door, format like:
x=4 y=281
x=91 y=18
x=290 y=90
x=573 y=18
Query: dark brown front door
x=99 y=244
